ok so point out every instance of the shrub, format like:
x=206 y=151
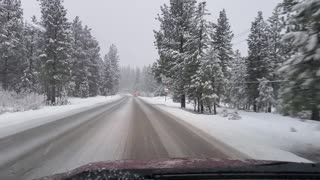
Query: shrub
x=14 y=102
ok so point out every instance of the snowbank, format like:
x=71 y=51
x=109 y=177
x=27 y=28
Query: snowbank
x=259 y=135
x=11 y=101
x=15 y=122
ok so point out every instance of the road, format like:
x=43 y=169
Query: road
x=126 y=129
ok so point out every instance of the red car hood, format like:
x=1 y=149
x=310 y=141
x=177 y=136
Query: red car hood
x=179 y=163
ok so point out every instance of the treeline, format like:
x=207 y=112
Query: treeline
x=139 y=80
x=282 y=70
x=53 y=56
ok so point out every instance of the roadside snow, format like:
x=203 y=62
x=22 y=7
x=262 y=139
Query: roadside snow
x=11 y=123
x=261 y=136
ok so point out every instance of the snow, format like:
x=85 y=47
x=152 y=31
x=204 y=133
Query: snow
x=313 y=42
x=11 y=123
x=37 y=26
x=317 y=13
x=318 y=72
x=261 y=136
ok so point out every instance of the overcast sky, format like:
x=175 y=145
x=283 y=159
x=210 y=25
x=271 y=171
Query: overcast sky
x=129 y=24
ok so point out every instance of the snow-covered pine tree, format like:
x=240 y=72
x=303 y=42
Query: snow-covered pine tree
x=143 y=79
x=201 y=33
x=286 y=11
x=222 y=42
x=175 y=44
x=55 y=66
x=150 y=84
x=126 y=79
x=266 y=99
x=99 y=65
x=32 y=49
x=11 y=46
x=78 y=58
x=85 y=59
x=113 y=57
x=238 y=96
x=92 y=50
x=302 y=92
x=200 y=43
x=257 y=61
x=208 y=79
x=107 y=85
x=137 y=81
x=84 y=88
x=286 y=14
x=276 y=49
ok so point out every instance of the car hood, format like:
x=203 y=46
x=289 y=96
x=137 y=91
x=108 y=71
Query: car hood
x=178 y=163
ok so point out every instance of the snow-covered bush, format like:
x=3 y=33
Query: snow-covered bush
x=210 y=100
x=224 y=113
x=266 y=95
x=234 y=116
x=63 y=99
x=304 y=115
x=14 y=102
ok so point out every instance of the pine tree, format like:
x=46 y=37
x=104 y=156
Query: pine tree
x=84 y=88
x=85 y=59
x=11 y=46
x=257 y=61
x=125 y=81
x=222 y=42
x=92 y=49
x=208 y=78
x=32 y=49
x=286 y=9
x=302 y=71
x=78 y=58
x=276 y=50
x=113 y=56
x=107 y=85
x=286 y=13
x=149 y=83
x=266 y=99
x=57 y=46
x=200 y=46
x=137 y=81
x=176 y=44
x=238 y=95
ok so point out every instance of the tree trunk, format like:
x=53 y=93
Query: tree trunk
x=5 y=75
x=315 y=115
x=53 y=95
x=48 y=96
x=202 y=107
x=269 y=109
x=183 y=101
x=198 y=105
x=255 y=108
x=214 y=109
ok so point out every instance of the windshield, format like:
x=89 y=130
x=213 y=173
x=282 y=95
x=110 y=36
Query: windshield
x=157 y=83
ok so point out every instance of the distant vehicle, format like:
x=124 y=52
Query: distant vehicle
x=192 y=169
x=136 y=94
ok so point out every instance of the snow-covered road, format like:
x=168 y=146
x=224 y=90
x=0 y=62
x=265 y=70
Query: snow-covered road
x=124 y=129
x=261 y=136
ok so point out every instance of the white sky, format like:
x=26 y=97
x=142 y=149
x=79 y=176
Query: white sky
x=130 y=23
